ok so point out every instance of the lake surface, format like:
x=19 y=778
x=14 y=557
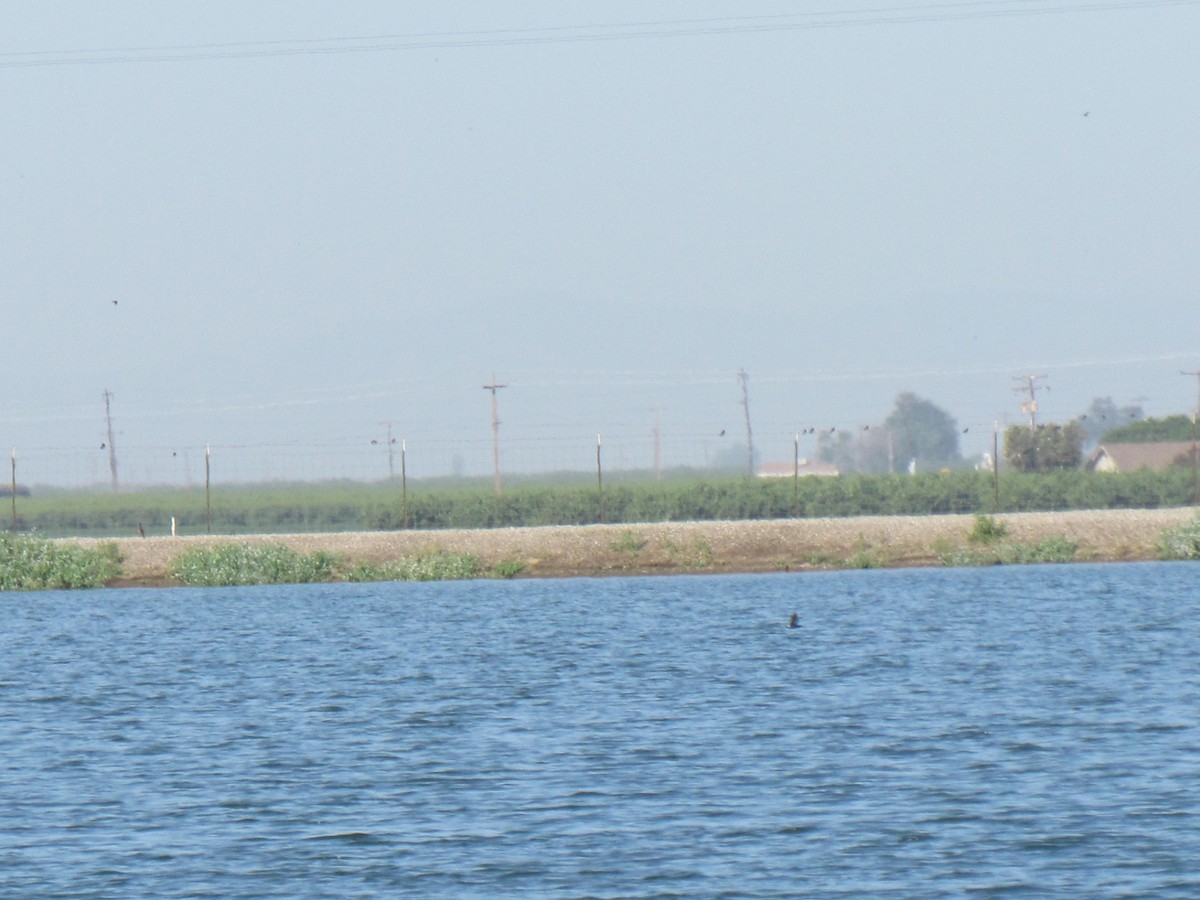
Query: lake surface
x=1017 y=730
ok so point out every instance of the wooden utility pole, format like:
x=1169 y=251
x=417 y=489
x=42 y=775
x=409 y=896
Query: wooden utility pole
x=1030 y=388
x=744 y=381
x=493 y=387
x=112 y=448
x=391 y=443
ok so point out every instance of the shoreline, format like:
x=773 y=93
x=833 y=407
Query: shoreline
x=663 y=548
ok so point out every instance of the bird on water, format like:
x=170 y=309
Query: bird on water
x=794 y=621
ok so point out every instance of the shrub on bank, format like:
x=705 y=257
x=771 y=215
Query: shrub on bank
x=227 y=565
x=35 y=564
x=426 y=567
x=988 y=545
x=1182 y=542
x=236 y=564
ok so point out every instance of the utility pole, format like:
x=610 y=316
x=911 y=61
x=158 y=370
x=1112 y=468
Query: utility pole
x=744 y=381
x=391 y=443
x=493 y=387
x=1031 y=388
x=112 y=449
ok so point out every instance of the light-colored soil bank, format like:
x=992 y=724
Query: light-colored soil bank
x=673 y=547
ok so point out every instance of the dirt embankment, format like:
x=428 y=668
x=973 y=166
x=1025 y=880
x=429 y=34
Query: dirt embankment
x=673 y=547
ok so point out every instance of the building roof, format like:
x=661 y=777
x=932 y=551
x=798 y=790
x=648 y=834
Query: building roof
x=1132 y=457
x=787 y=469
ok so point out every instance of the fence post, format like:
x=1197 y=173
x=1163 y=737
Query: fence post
x=796 y=476
x=207 y=490
x=599 y=479
x=996 y=468
x=404 y=483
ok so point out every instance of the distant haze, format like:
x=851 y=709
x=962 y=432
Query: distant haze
x=319 y=219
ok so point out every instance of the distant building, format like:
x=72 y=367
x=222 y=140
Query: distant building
x=1132 y=457
x=787 y=469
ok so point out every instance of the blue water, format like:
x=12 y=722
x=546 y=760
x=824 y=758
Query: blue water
x=1029 y=731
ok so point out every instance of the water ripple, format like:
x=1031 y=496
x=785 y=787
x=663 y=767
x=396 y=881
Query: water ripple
x=926 y=733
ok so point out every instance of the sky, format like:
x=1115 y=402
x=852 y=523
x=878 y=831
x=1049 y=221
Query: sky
x=269 y=230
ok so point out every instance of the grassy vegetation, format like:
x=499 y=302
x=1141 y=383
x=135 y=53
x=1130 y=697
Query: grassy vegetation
x=427 y=567
x=232 y=564
x=986 y=530
x=988 y=544
x=1049 y=550
x=1182 y=542
x=366 y=507
x=241 y=564
x=34 y=564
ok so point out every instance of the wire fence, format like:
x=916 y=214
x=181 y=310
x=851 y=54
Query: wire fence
x=130 y=467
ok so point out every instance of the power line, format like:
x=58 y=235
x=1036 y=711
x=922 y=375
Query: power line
x=598 y=381
x=560 y=34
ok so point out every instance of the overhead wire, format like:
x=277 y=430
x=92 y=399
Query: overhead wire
x=556 y=34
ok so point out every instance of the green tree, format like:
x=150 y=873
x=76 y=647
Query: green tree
x=918 y=430
x=1102 y=416
x=1044 y=448
x=1151 y=431
x=839 y=449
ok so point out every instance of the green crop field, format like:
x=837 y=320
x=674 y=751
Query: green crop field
x=348 y=506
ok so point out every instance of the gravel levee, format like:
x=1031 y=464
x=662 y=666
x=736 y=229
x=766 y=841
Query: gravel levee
x=674 y=547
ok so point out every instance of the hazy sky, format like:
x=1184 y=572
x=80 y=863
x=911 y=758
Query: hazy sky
x=319 y=217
